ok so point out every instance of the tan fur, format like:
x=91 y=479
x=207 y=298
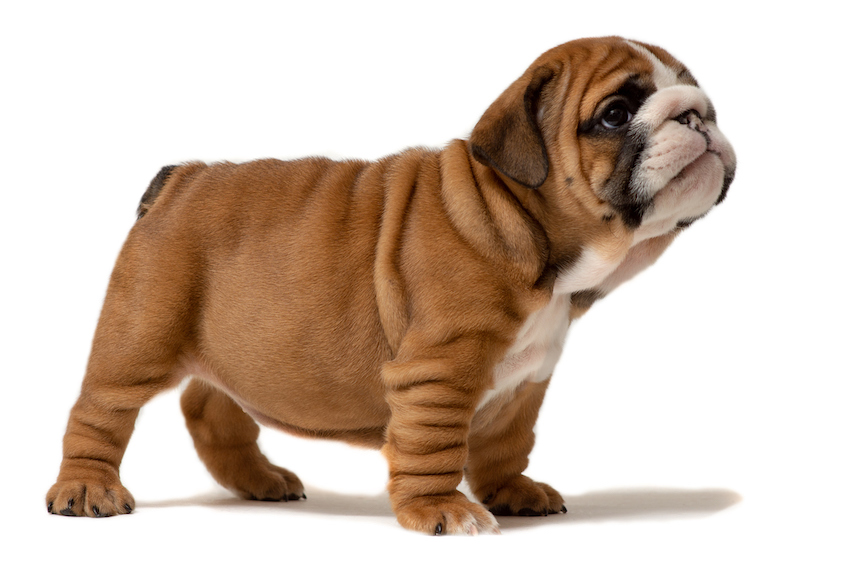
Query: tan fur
x=368 y=302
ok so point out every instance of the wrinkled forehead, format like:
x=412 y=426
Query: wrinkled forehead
x=612 y=65
x=667 y=71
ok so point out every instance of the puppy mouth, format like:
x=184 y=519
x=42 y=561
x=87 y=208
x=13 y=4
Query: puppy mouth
x=716 y=157
x=691 y=193
x=670 y=151
x=684 y=170
x=696 y=177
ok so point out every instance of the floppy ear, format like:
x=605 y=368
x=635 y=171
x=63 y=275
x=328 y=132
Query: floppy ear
x=508 y=136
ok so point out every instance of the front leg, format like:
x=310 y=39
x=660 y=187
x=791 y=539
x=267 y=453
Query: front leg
x=501 y=440
x=432 y=393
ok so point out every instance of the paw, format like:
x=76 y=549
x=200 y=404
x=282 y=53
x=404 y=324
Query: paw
x=447 y=514
x=269 y=483
x=92 y=499
x=523 y=497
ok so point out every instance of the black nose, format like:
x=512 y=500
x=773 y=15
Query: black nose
x=688 y=117
x=693 y=120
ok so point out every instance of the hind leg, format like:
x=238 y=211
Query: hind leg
x=147 y=321
x=226 y=440
x=132 y=360
x=88 y=483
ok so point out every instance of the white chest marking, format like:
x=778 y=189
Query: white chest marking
x=540 y=341
x=589 y=271
x=536 y=349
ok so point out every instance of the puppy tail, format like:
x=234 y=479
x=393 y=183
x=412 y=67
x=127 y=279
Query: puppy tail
x=153 y=190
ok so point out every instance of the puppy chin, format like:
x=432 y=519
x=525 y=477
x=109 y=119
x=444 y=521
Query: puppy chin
x=687 y=197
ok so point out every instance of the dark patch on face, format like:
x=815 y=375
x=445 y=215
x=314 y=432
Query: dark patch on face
x=608 y=218
x=633 y=93
x=617 y=189
x=152 y=192
x=569 y=181
x=633 y=213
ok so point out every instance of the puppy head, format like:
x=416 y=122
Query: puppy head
x=622 y=126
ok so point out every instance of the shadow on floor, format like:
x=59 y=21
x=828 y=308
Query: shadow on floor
x=636 y=504
x=633 y=504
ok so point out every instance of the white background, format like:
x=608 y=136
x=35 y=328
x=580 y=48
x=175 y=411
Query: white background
x=699 y=414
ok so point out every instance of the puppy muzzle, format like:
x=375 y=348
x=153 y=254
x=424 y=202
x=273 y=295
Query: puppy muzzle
x=686 y=163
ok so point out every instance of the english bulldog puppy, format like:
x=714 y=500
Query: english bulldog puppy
x=417 y=304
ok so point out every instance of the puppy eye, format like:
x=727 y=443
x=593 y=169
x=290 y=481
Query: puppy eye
x=615 y=116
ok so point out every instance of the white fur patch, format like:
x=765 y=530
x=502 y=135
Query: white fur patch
x=663 y=76
x=535 y=351
x=540 y=341
x=592 y=268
